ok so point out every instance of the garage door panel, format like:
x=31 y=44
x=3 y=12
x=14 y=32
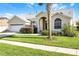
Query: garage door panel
x=16 y=28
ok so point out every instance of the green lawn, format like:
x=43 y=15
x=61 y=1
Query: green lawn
x=60 y=41
x=11 y=50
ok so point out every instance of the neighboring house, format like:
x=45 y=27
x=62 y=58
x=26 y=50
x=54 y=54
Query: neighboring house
x=58 y=19
x=18 y=22
x=3 y=24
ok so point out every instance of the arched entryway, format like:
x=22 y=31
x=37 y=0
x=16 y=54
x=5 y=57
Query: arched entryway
x=43 y=23
x=57 y=23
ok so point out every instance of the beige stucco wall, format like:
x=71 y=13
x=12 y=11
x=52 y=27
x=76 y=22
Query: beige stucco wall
x=38 y=20
x=64 y=20
x=41 y=24
x=3 y=22
x=37 y=24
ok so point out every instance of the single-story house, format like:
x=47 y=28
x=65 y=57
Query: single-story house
x=58 y=19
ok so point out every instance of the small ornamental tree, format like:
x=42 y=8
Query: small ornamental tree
x=69 y=30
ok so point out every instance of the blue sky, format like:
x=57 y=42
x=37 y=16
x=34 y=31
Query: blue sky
x=9 y=9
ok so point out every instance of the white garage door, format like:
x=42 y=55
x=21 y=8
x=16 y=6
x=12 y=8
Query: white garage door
x=15 y=27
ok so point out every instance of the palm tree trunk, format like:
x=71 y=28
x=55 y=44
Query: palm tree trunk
x=49 y=7
x=32 y=27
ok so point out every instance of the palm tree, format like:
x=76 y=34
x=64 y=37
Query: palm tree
x=32 y=27
x=48 y=8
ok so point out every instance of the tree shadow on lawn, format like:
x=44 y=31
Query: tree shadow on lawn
x=39 y=37
x=4 y=36
x=32 y=37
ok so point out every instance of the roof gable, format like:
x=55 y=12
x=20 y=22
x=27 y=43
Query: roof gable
x=40 y=13
x=66 y=12
x=20 y=18
x=61 y=14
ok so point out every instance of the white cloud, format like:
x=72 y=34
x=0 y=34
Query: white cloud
x=8 y=15
x=58 y=6
x=54 y=5
x=72 y=4
x=62 y=7
x=30 y=5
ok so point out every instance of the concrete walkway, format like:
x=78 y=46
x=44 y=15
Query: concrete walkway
x=43 y=47
x=6 y=34
x=28 y=34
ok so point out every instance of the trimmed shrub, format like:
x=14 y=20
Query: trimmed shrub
x=69 y=30
x=26 y=30
x=77 y=23
x=45 y=32
x=57 y=33
x=77 y=28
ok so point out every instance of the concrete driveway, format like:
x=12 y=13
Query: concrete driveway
x=6 y=34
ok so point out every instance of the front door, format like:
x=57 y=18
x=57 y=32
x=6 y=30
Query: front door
x=44 y=25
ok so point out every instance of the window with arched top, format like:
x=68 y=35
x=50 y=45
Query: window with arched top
x=57 y=23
